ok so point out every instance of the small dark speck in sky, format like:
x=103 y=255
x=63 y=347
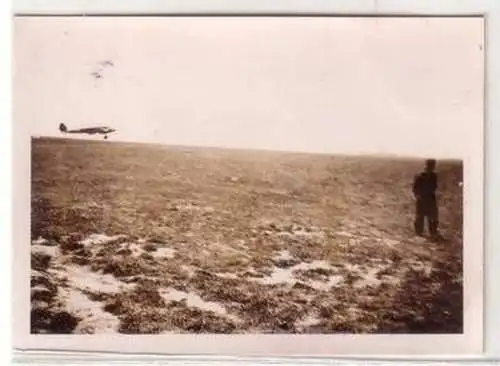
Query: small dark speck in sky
x=96 y=75
x=480 y=47
x=107 y=63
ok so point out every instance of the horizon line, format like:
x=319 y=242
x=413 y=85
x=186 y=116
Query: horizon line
x=256 y=150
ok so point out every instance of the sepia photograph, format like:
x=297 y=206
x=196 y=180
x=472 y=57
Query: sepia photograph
x=249 y=175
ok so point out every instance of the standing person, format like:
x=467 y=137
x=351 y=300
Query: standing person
x=424 y=189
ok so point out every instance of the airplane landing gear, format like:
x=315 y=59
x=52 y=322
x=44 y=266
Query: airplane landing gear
x=105 y=137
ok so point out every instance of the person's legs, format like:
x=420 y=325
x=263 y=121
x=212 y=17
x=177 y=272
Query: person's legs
x=433 y=218
x=419 y=218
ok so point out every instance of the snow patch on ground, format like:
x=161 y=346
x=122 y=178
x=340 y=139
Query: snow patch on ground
x=189 y=270
x=389 y=242
x=302 y=233
x=100 y=239
x=421 y=267
x=35 y=273
x=53 y=251
x=40 y=241
x=345 y=234
x=73 y=280
x=286 y=275
x=192 y=300
x=370 y=275
x=326 y=286
x=284 y=255
x=93 y=318
x=164 y=253
x=369 y=278
x=278 y=276
x=228 y=275
x=310 y=320
x=317 y=264
x=188 y=206
x=82 y=278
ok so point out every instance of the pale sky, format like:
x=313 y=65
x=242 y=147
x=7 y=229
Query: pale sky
x=405 y=86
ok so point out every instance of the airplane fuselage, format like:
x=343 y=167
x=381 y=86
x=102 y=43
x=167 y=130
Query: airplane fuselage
x=89 y=130
x=93 y=130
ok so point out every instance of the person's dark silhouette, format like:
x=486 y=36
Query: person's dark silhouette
x=424 y=189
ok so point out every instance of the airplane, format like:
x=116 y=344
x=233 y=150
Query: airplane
x=89 y=130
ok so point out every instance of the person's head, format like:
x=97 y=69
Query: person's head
x=430 y=165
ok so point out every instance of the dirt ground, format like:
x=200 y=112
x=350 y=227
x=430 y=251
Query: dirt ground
x=135 y=238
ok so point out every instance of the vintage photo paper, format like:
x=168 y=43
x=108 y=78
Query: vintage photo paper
x=251 y=186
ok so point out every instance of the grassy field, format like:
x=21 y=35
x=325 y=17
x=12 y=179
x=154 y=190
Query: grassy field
x=137 y=238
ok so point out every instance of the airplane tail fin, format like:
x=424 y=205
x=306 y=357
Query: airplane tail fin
x=63 y=128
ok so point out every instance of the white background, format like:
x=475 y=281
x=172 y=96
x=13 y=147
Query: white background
x=492 y=299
